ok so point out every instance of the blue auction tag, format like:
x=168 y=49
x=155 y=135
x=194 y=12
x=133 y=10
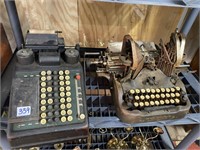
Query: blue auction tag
x=23 y=111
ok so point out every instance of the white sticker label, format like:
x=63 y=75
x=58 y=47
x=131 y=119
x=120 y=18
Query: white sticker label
x=23 y=111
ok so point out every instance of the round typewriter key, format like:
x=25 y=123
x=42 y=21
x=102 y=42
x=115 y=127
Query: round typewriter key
x=56 y=100
x=61 y=83
x=62 y=94
x=141 y=104
x=56 y=119
x=55 y=78
x=43 y=90
x=50 y=114
x=43 y=78
x=172 y=89
x=62 y=89
x=49 y=89
x=167 y=101
x=50 y=107
x=63 y=112
x=49 y=95
x=137 y=97
x=43 y=102
x=137 y=91
x=70 y=118
x=167 y=90
x=43 y=108
x=69 y=99
x=147 y=97
x=68 y=105
x=63 y=119
x=177 y=101
x=136 y=104
x=177 y=94
x=67 y=77
x=178 y=88
x=49 y=83
x=62 y=100
x=55 y=94
x=68 y=88
x=152 y=103
x=68 y=93
x=56 y=113
x=172 y=95
x=43 y=73
x=56 y=106
x=142 y=97
x=66 y=71
x=49 y=72
x=43 y=115
x=43 y=121
x=172 y=101
x=49 y=78
x=55 y=89
x=132 y=91
x=143 y=90
x=153 y=91
x=62 y=106
x=157 y=103
x=146 y=104
x=162 y=90
x=60 y=72
x=55 y=72
x=162 y=102
x=50 y=120
x=158 y=90
x=82 y=116
x=50 y=101
x=152 y=96
x=162 y=95
x=55 y=83
x=69 y=112
x=167 y=95
x=148 y=90
x=43 y=95
x=157 y=96
x=67 y=82
x=61 y=77
x=43 y=84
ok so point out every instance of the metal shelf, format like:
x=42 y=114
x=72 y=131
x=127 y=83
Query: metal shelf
x=102 y=113
x=171 y=3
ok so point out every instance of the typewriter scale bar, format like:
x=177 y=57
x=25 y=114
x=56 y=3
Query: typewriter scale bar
x=56 y=107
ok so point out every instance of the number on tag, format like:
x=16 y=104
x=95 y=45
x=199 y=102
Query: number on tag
x=23 y=111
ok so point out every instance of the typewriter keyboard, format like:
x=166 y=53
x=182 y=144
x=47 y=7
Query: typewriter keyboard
x=141 y=98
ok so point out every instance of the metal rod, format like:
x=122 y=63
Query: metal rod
x=183 y=16
x=171 y=3
x=190 y=138
x=189 y=21
x=14 y=21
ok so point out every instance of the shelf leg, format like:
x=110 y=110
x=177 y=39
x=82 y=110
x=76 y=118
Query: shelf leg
x=190 y=138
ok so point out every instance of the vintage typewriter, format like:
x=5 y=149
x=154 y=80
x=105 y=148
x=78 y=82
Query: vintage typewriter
x=47 y=100
x=144 y=77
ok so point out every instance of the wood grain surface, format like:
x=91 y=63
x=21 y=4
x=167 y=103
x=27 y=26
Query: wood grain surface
x=94 y=24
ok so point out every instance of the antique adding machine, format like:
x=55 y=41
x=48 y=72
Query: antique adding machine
x=47 y=100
